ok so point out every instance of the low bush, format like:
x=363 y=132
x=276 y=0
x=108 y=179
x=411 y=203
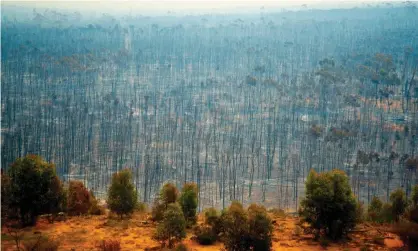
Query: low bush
x=213 y=219
x=324 y=242
x=41 y=243
x=235 y=224
x=188 y=202
x=109 y=245
x=181 y=247
x=399 y=203
x=95 y=208
x=260 y=228
x=168 y=195
x=277 y=212
x=205 y=235
x=407 y=229
x=374 y=210
x=141 y=207
x=157 y=211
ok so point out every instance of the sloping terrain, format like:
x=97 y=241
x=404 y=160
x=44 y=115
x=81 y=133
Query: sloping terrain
x=84 y=233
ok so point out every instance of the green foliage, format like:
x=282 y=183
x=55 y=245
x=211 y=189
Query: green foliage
x=95 y=208
x=386 y=214
x=122 y=197
x=205 y=235
x=34 y=189
x=399 y=203
x=235 y=225
x=374 y=210
x=168 y=194
x=157 y=212
x=181 y=247
x=329 y=204
x=407 y=229
x=5 y=197
x=212 y=217
x=78 y=201
x=260 y=228
x=141 y=207
x=188 y=202
x=173 y=226
x=414 y=196
x=246 y=230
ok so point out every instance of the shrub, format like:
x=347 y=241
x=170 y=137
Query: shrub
x=213 y=219
x=188 y=202
x=414 y=196
x=374 y=210
x=323 y=242
x=277 y=212
x=5 y=197
x=181 y=247
x=173 y=226
x=34 y=189
x=386 y=214
x=157 y=212
x=260 y=228
x=407 y=229
x=42 y=243
x=95 y=208
x=168 y=194
x=109 y=245
x=122 y=197
x=79 y=201
x=360 y=212
x=235 y=226
x=141 y=207
x=297 y=231
x=399 y=203
x=329 y=204
x=205 y=235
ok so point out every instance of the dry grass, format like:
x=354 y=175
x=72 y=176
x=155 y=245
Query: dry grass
x=84 y=233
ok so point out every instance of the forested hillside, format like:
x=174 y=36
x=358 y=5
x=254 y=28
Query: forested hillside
x=242 y=105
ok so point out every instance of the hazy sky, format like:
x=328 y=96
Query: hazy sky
x=196 y=6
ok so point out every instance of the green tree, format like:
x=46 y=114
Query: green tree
x=213 y=219
x=329 y=204
x=122 y=197
x=34 y=188
x=172 y=228
x=188 y=202
x=168 y=194
x=260 y=228
x=399 y=203
x=235 y=227
x=375 y=209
